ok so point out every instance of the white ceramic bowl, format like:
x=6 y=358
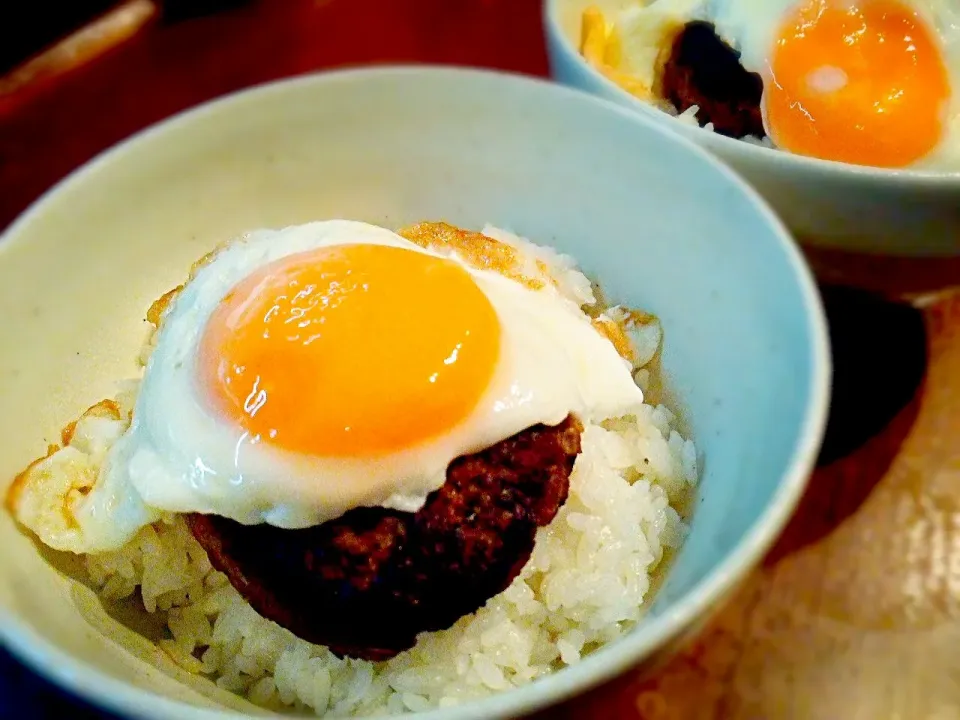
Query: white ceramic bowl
x=824 y=203
x=665 y=227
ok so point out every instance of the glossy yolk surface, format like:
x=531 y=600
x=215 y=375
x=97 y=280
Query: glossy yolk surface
x=859 y=82
x=353 y=350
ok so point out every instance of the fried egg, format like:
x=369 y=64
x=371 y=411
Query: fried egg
x=306 y=371
x=867 y=82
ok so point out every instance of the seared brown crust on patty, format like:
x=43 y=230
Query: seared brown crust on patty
x=368 y=582
x=703 y=70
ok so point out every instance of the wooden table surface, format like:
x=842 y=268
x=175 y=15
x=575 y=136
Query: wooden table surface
x=853 y=614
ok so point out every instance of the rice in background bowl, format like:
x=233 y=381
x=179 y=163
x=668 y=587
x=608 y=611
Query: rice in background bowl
x=475 y=161
x=824 y=203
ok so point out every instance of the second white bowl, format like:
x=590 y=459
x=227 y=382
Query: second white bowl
x=829 y=204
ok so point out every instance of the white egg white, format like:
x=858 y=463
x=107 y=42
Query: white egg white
x=180 y=456
x=943 y=16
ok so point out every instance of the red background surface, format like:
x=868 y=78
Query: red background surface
x=48 y=130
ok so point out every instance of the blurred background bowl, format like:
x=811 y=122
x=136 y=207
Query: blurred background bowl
x=662 y=224
x=825 y=204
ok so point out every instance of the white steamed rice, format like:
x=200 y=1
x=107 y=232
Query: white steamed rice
x=587 y=582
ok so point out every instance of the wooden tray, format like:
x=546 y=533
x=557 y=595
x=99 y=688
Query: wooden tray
x=854 y=612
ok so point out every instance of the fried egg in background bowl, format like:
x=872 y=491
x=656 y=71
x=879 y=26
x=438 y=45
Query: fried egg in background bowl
x=873 y=121
x=743 y=333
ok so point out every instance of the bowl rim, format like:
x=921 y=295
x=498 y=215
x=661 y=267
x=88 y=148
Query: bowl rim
x=118 y=696
x=732 y=147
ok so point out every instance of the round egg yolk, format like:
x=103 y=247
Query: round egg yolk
x=858 y=82
x=352 y=350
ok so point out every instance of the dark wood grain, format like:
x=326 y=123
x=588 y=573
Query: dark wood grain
x=866 y=574
x=29 y=27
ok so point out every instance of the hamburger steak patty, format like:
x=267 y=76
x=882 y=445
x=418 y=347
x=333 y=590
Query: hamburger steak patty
x=368 y=582
x=703 y=70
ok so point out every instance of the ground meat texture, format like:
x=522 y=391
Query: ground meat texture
x=368 y=582
x=703 y=70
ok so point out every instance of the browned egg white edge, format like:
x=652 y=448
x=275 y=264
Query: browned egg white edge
x=106 y=408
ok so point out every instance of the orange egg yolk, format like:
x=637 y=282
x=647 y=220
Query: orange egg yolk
x=353 y=350
x=860 y=82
